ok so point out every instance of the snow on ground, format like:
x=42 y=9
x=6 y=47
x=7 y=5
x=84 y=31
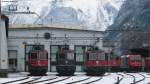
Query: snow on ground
x=107 y=79
x=53 y=80
x=91 y=79
x=110 y=79
x=127 y=79
x=46 y=78
x=19 y=82
x=2 y=80
x=147 y=80
x=74 y=78
x=21 y=74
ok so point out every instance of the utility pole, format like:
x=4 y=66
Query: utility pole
x=0 y=8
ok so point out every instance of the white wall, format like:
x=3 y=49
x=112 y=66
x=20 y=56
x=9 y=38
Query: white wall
x=3 y=46
x=18 y=36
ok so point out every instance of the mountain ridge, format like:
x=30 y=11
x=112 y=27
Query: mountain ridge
x=93 y=14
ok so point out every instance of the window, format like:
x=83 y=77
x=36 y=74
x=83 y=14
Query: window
x=54 y=50
x=79 y=54
x=12 y=64
x=62 y=56
x=33 y=56
x=135 y=58
x=79 y=50
x=12 y=60
x=92 y=56
x=101 y=56
x=79 y=57
x=28 y=48
x=70 y=56
x=43 y=55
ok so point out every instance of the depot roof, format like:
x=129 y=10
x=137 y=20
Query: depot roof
x=52 y=26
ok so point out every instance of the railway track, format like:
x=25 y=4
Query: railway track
x=97 y=79
x=78 y=81
x=134 y=78
x=119 y=80
x=58 y=80
x=22 y=81
x=141 y=79
x=27 y=80
x=43 y=80
x=16 y=80
x=93 y=81
x=86 y=79
x=30 y=80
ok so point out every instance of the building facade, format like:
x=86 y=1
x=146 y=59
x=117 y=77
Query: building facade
x=22 y=38
x=3 y=45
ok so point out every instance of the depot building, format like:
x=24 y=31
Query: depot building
x=22 y=38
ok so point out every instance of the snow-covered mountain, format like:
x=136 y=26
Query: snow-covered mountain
x=92 y=14
x=134 y=18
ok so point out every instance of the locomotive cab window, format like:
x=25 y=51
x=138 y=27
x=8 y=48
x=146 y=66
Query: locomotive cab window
x=43 y=55
x=33 y=56
x=70 y=56
x=62 y=56
x=136 y=58
x=101 y=56
x=92 y=56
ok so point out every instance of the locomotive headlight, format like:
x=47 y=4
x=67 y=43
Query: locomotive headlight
x=39 y=63
x=114 y=62
x=66 y=62
x=97 y=62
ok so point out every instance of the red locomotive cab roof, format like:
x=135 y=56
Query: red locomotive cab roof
x=134 y=55
x=129 y=55
x=123 y=56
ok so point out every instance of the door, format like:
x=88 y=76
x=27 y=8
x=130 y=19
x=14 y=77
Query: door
x=12 y=60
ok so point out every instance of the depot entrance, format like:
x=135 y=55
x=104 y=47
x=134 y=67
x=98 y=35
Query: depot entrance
x=53 y=51
x=79 y=55
x=80 y=51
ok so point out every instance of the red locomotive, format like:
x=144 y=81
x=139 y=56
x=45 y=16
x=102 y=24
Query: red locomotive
x=38 y=62
x=147 y=63
x=132 y=62
x=114 y=63
x=96 y=62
